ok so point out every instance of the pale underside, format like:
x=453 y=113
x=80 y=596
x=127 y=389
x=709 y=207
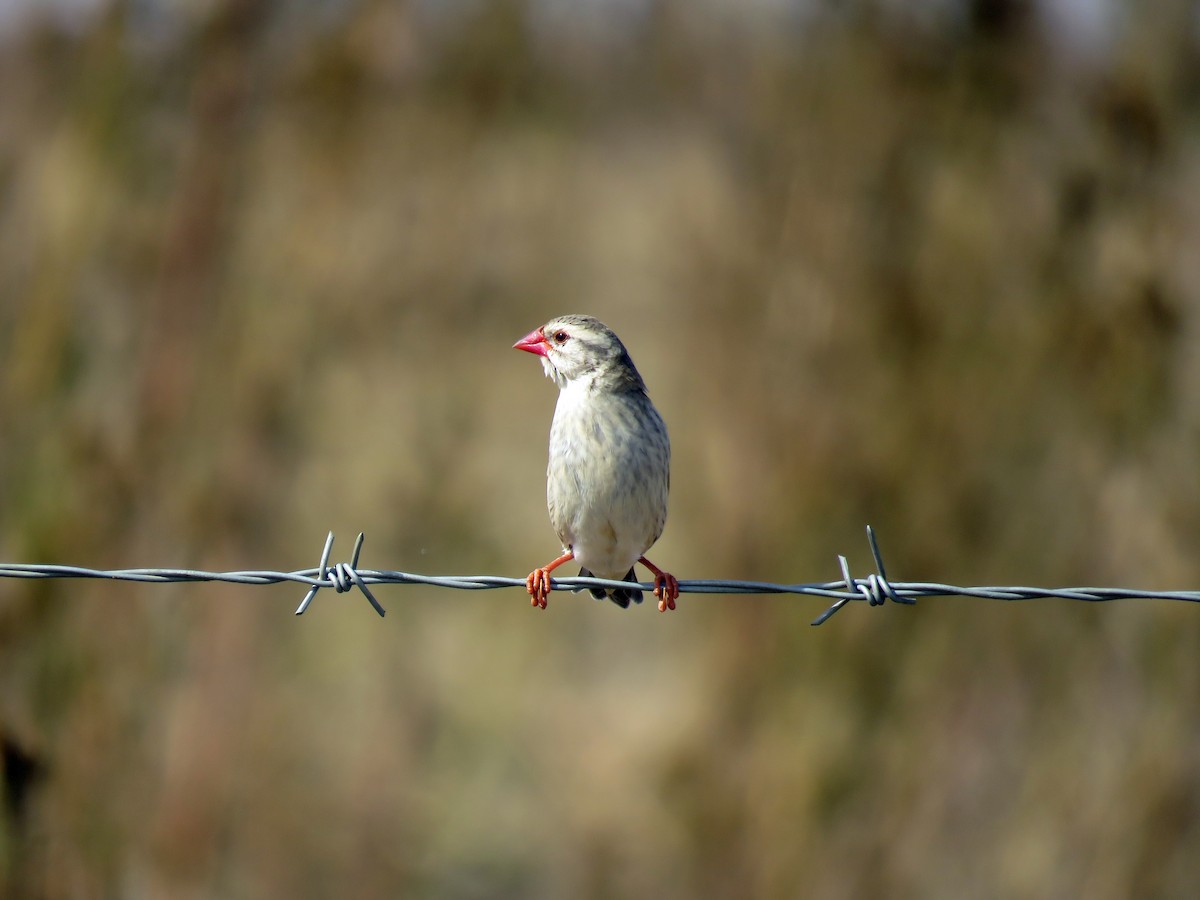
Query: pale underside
x=608 y=477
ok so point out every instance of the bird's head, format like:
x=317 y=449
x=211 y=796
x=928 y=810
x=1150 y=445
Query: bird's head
x=580 y=349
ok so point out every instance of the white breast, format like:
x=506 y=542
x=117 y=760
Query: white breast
x=607 y=478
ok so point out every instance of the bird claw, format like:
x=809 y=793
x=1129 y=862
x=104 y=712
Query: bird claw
x=538 y=586
x=538 y=582
x=666 y=589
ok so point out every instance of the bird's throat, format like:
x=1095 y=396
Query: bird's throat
x=553 y=374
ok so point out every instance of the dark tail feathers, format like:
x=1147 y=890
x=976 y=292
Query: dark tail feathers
x=619 y=596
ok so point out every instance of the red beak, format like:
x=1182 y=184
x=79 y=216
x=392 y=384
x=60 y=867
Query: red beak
x=535 y=342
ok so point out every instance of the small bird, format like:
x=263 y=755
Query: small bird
x=610 y=461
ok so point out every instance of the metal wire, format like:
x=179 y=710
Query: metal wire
x=876 y=589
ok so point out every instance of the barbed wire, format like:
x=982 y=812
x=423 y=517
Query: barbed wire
x=875 y=589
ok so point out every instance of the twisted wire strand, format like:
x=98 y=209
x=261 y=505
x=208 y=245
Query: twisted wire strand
x=875 y=589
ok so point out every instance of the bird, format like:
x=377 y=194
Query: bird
x=608 y=474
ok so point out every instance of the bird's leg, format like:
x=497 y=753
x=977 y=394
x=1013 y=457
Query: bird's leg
x=538 y=582
x=666 y=585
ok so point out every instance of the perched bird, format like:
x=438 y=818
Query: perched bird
x=610 y=461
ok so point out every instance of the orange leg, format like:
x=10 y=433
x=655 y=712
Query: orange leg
x=538 y=582
x=666 y=586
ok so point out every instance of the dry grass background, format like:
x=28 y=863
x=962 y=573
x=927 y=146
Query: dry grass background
x=934 y=268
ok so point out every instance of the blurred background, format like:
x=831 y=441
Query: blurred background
x=932 y=266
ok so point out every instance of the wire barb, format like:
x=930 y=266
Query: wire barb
x=875 y=588
x=342 y=577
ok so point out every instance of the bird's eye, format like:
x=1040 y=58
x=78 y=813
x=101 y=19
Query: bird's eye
x=560 y=337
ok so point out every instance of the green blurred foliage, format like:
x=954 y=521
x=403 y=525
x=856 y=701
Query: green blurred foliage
x=931 y=267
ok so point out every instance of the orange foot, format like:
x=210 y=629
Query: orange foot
x=666 y=586
x=538 y=582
